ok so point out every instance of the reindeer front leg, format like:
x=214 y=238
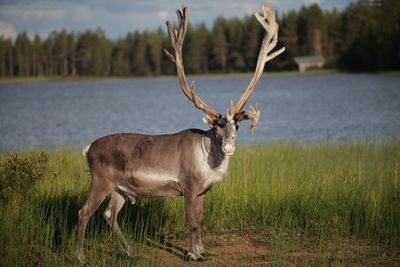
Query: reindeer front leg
x=194 y=215
x=200 y=220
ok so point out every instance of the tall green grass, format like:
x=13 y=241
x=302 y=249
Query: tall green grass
x=325 y=191
x=351 y=188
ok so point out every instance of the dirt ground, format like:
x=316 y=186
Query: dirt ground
x=259 y=249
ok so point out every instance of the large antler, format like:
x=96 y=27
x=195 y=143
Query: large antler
x=268 y=21
x=177 y=37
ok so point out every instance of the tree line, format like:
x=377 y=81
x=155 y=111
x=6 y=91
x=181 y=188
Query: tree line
x=365 y=36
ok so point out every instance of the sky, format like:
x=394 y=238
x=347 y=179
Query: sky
x=118 y=17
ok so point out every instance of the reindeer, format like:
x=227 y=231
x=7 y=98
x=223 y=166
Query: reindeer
x=129 y=166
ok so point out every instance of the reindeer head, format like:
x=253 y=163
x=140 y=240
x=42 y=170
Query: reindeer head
x=226 y=126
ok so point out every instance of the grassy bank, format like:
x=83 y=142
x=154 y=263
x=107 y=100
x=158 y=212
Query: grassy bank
x=290 y=197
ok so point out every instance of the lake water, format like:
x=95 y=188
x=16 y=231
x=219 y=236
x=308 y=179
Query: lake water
x=293 y=108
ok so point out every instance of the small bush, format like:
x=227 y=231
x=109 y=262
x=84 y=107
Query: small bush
x=19 y=172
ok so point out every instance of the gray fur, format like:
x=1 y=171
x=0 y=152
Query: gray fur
x=132 y=166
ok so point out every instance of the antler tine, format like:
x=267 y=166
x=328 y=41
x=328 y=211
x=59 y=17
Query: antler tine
x=268 y=21
x=177 y=37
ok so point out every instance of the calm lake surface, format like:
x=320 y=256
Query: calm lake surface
x=293 y=108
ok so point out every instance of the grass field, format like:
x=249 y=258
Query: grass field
x=280 y=204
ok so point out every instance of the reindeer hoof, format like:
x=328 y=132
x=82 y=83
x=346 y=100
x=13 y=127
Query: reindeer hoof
x=193 y=257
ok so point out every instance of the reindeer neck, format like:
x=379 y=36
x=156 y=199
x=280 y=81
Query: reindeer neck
x=211 y=148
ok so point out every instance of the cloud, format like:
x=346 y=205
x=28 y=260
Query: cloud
x=43 y=14
x=249 y=9
x=7 y=30
x=121 y=16
x=163 y=14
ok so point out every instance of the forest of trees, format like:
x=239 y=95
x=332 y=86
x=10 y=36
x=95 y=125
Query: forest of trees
x=363 y=37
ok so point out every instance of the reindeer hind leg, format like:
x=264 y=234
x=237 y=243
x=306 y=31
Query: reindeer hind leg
x=117 y=201
x=98 y=193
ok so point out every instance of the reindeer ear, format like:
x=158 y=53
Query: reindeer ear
x=240 y=116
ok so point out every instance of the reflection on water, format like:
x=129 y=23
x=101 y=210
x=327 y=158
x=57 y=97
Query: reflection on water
x=295 y=108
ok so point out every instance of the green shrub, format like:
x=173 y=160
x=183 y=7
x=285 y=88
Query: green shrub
x=19 y=172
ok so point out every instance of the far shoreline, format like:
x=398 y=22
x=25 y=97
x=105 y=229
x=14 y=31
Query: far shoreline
x=314 y=72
